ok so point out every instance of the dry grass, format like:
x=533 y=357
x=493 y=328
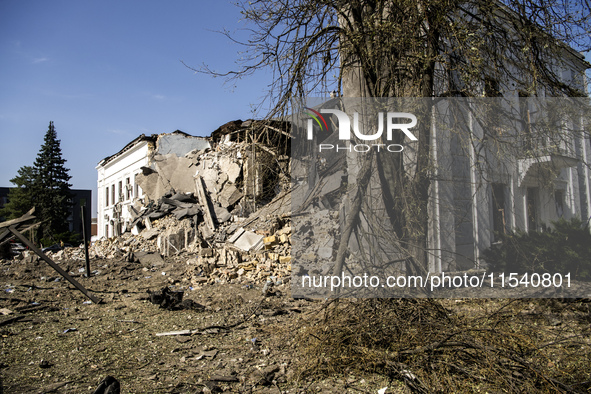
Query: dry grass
x=454 y=346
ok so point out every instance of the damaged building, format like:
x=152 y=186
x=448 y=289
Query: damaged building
x=222 y=197
x=117 y=186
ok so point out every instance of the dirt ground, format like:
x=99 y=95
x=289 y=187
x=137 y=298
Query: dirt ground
x=55 y=341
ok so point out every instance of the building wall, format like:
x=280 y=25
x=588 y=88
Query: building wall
x=469 y=203
x=117 y=186
x=118 y=175
x=81 y=198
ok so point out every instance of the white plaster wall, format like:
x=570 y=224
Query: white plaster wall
x=117 y=170
x=450 y=232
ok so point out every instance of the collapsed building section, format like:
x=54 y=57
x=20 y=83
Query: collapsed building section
x=224 y=198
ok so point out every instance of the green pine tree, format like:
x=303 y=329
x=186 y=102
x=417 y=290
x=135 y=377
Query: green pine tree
x=20 y=198
x=52 y=194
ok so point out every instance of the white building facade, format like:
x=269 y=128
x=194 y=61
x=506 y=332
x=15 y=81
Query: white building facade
x=116 y=185
x=118 y=190
x=524 y=180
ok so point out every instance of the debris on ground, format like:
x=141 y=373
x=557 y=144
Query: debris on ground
x=198 y=298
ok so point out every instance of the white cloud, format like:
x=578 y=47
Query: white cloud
x=40 y=60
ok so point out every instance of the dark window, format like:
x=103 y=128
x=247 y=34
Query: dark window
x=498 y=197
x=559 y=200
x=525 y=120
x=532 y=208
x=128 y=189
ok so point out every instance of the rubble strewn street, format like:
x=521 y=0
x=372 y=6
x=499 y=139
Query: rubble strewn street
x=197 y=298
x=207 y=249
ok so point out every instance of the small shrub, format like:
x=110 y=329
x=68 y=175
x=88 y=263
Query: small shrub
x=564 y=248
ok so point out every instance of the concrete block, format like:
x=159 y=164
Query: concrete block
x=269 y=241
x=273 y=256
x=149 y=259
x=206 y=252
x=229 y=195
x=324 y=253
x=233 y=171
x=248 y=241
x=221 y=214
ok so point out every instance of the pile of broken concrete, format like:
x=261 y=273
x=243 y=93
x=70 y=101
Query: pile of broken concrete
x=200 y=208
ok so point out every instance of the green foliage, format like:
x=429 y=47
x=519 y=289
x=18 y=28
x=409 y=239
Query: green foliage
x=43 y=186
x=564 y=248
x=20 y=198
x=52 y=190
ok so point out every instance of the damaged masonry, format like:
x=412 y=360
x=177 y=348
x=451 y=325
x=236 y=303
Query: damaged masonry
x=222 y=202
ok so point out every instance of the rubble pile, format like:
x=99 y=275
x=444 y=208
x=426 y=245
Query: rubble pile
x=266 y=259
x=201 y=207
x=315 y=251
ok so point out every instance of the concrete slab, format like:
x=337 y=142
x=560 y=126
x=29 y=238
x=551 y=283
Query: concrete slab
x=248 y=241
x=180 y=213
x=149 y=259
x=175 y=173
x=149 y=234
x=332 y=183
x=180 y=144
x=233 y=172
x=229 y=195
x=221 y=214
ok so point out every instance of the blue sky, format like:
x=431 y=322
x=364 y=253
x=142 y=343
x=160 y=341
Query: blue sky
x=107 y=71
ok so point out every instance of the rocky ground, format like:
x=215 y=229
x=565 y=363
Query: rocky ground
x=237 y=339
x=55 y=340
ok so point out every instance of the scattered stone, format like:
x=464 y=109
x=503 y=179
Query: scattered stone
x=149 y=259
x=44 y=364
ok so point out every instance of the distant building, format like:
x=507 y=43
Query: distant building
x=541 y=177
x=80 y=198
x=3 y=198
x=117 y=187
x=93 y=227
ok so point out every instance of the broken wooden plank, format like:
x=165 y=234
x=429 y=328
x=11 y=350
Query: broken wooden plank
x=6 y=232
x=280 y=131
x=26 y=217
x=263 y=147
x=11 y=320
x=172 y=333
x=54 y=387
x=2 y=235
x=53 y=265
